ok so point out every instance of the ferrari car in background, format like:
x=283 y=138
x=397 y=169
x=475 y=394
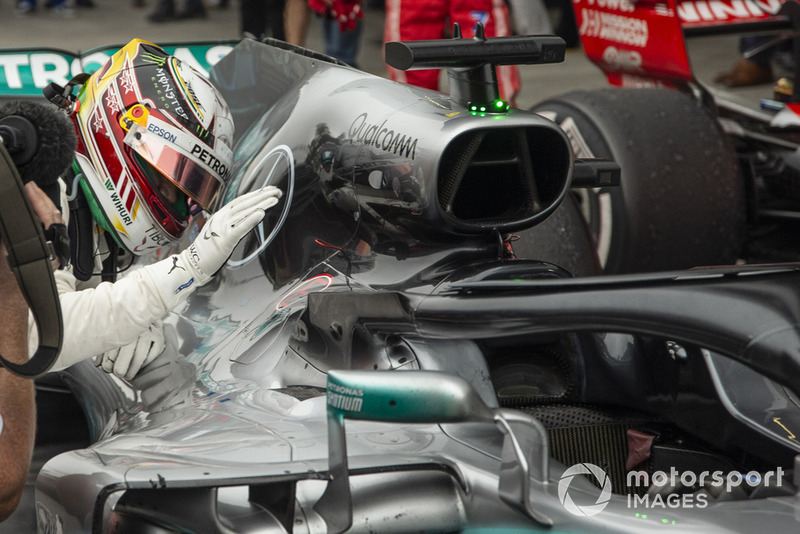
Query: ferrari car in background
x=377 y=357
x=706 y=178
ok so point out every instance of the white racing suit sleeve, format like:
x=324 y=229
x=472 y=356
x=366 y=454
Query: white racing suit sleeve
x=127 y=360
x=113 y=315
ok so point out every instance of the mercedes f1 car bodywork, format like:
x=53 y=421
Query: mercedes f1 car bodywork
x=375 y=359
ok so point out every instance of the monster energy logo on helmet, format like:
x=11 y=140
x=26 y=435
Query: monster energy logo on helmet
x=149 y=57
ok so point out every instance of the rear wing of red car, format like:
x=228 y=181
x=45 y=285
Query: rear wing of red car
x=640 y=43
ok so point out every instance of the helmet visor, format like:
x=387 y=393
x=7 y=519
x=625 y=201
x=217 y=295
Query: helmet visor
x=187 y=173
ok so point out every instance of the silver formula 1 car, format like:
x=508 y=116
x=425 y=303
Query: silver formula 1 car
x=377 y=357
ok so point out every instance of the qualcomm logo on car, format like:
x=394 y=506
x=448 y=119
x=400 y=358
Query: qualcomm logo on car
x=586 y=510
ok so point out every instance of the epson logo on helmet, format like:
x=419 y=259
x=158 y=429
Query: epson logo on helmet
x=162 y=132
x=209 y=159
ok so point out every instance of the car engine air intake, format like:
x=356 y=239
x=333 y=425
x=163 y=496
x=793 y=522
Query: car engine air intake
x=503 y=177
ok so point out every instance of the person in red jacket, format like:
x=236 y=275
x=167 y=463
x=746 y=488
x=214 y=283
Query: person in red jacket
x=414 y=20
x=341 y=27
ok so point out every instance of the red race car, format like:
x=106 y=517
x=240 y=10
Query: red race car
x=705 y=180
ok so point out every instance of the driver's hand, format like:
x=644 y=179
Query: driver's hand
x=223 y=231
x=126 y=361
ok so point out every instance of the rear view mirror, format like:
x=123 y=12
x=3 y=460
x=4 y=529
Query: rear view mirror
x=406 y=397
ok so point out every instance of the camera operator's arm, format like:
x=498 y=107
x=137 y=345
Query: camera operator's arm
x=17 y=407
x=45 y=210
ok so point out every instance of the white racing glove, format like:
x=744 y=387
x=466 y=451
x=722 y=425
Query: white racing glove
x=128 y=307
x=153 y=291
x=127 y=360
x=223 y=231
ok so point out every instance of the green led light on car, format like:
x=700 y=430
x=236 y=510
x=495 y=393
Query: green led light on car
x=492 y=108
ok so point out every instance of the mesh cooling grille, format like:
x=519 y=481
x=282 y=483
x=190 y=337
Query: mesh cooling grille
x=581 y=434
x=453 y=169
x=302 y=393
x=570 y=415
x=603 y=445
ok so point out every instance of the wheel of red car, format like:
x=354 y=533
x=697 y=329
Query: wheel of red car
x=680 y=203
x=563 y=239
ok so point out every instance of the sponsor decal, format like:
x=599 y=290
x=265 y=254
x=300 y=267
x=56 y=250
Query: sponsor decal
x=209 y=159
x=580 y=147
x=155 y=59
x=380 y=136
x=184 y=286
x=201 y=132
x=629 y=80
x=165 y=92
x=344 y=390
x=625 y=6
x=623 y=59
x=344 y=398
x=152 y=240
x=721 y=10
x=193 y=101
x=126 y=193
x=612 y=27
x=162 y=132
x=155 y=235
x=175 y=265
x=27 y=73
x=119 y=205
x=646 y=41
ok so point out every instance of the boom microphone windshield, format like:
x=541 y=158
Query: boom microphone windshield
x=41 y=141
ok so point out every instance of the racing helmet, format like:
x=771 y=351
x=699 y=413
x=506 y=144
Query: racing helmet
x=154 y=145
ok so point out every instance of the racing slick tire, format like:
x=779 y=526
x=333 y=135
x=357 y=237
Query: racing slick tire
x=563 y=239
x=680 y=202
